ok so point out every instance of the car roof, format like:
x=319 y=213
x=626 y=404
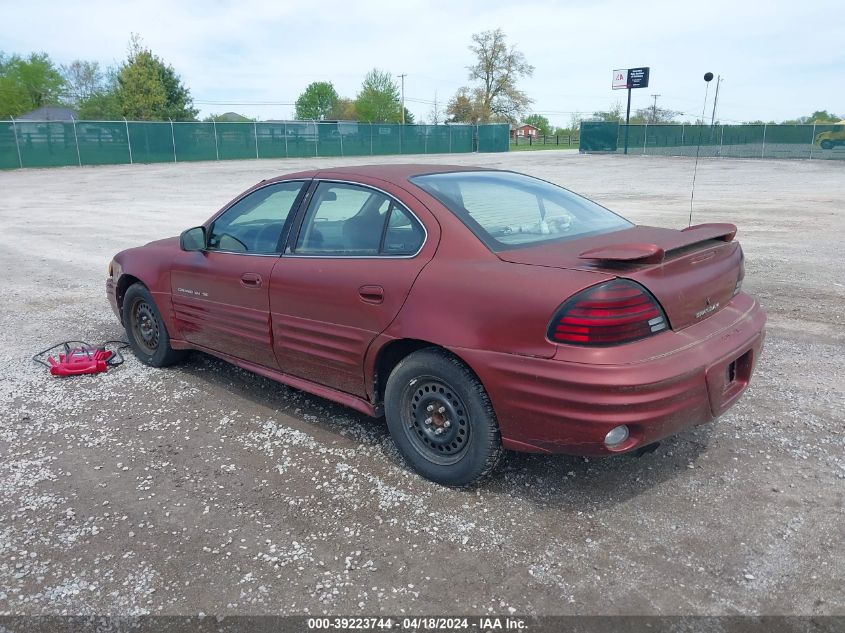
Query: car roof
x=391 y=172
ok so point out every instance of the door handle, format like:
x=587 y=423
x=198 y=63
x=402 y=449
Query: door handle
x=371 y=294
x=251 y=280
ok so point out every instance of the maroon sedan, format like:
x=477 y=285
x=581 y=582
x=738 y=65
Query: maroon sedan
x=476 y=309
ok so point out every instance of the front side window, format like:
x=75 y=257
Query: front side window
x=507 y=210
x=351 y=220
x=254 y=224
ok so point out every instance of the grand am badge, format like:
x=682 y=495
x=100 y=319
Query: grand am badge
x=711 y=307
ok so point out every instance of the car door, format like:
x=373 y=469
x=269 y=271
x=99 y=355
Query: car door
x=220 y=294
x=347 y=271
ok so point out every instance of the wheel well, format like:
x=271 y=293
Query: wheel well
x=122 y=286
x=393 y=353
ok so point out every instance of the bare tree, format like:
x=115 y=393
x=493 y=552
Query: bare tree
x=655 y=115
x=436 y=113
x=497 y=69
x=615 y=113
x=575 y=121
x=84 y=79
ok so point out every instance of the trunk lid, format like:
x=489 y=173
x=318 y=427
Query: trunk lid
x=693 y=273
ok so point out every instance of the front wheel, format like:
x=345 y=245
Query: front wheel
x=441 y=418
x=827 y=144
x=145 y=329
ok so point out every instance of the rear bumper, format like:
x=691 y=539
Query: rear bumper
x=560 y=406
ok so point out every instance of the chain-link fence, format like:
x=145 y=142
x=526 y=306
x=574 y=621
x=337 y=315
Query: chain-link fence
x=25 y=143
x=733 y=141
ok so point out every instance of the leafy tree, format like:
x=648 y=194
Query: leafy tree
x=28 y=83
x=317 y=101
x=823 y=116
x=148 y=89
x=409 y=117
x=378 y=100
x=344 y=110
x=13 y=97
x=103 y=105
x=464 y=107
x=497 y=69
x=540 y=122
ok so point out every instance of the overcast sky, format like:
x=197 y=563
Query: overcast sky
x=779 y=59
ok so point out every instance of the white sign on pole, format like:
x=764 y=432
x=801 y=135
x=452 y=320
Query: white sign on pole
x=620 y=79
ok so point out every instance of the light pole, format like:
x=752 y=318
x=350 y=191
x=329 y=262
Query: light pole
x=719 y=81
x=708 y=77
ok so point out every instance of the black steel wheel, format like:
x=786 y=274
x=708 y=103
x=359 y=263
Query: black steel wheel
x=441 y=419
x=145 y=329
x=144 y=325
x=435 y=420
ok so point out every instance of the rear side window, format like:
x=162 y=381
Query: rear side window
x=356 y=221
x=404 y=235
x=507 y=210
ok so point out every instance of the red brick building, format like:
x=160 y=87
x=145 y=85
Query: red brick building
x=524 y=131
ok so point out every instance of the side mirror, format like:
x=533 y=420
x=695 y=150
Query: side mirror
x=193 y=239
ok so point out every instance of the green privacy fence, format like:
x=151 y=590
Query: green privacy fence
x=59 y=143
x=733 y=141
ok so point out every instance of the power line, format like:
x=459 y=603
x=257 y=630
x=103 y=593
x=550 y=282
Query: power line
x=253 y=103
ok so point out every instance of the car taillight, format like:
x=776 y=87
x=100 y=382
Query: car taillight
x=614 y=312
x=741 y=275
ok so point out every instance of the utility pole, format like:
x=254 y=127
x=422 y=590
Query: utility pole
x=654 y=109
x=402 y=76
x=715 y=100
x=628 y=119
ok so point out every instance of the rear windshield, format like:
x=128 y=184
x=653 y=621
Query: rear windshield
x=507 y=210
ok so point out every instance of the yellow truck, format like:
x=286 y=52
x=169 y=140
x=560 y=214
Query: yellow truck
x=831 y=138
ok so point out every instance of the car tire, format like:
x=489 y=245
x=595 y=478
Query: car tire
x=145 y=329
x=441 y=418
x=827 y=144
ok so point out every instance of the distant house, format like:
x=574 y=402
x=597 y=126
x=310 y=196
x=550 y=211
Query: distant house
x=231 y=117
x=524 y=131
x=49 y=113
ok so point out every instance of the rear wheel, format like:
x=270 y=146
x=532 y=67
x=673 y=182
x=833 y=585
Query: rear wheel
x=827 y=144
x=145 y=329
x=441 y=419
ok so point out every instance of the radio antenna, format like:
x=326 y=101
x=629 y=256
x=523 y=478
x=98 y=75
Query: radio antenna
x=708 y=77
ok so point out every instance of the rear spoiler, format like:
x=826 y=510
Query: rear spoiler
x=715 y=231
x=646 y=253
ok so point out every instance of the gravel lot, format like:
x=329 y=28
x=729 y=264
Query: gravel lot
x=204 y=488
